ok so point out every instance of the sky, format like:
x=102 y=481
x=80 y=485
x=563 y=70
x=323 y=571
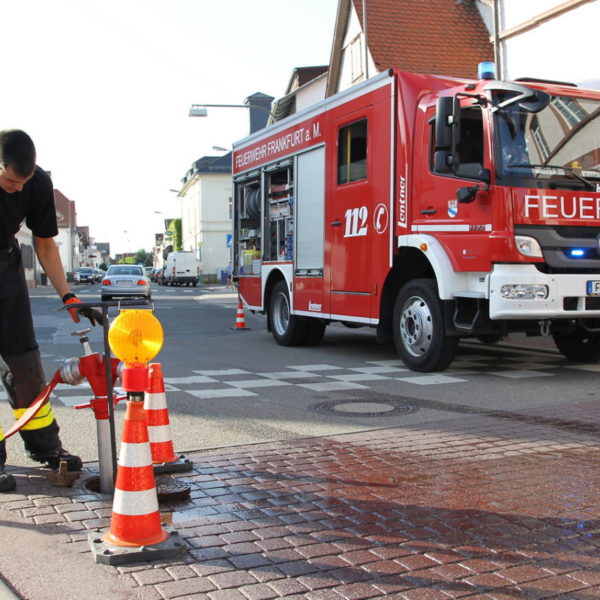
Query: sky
x=104 y=89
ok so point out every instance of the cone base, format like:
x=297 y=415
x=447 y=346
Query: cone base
x=110 y=554
x=114 y=540
x=178 y=465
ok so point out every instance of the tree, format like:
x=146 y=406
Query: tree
x=175 y=235
x=142 y=257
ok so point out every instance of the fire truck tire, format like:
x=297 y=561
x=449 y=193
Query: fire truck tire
x=578 y=345
x=287 y=329
x=419 y=334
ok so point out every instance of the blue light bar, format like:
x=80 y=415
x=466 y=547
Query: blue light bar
x=486 y=70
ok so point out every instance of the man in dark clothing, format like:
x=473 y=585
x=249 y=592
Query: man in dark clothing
x=27 y=194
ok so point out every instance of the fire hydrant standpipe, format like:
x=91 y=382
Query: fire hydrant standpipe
x=108 y=470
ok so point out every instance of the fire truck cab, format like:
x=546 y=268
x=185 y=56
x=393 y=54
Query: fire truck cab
x=429 y=208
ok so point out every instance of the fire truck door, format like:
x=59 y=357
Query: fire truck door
x=348 y=219
x=463 y=228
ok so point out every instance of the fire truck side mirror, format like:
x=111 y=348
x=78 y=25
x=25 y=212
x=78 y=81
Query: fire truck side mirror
x=447 y=134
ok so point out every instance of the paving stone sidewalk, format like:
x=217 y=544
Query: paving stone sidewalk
x=498 y=506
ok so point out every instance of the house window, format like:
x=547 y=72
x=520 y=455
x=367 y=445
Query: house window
x=352 y=152
x=570 y=110
x=356 y=58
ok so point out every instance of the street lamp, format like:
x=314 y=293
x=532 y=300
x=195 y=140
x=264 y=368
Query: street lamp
x=200 y=110
x=259 y=106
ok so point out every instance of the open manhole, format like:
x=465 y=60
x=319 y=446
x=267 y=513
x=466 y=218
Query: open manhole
x=381 y=407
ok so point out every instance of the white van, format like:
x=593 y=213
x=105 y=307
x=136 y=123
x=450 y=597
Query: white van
x=182 y=268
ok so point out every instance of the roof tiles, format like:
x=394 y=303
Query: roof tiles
x=443 y=37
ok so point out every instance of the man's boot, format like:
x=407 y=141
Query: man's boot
x=7 y=481
x=52 y=460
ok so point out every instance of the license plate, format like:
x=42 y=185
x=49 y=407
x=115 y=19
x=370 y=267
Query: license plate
x=124 y=283
x=593 y=288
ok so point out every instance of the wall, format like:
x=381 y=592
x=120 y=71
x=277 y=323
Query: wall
x=311 y=93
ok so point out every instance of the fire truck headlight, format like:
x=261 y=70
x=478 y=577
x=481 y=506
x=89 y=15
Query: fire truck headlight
x=528 y=246
x=524 y=291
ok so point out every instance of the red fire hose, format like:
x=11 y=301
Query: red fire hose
x=35 y=406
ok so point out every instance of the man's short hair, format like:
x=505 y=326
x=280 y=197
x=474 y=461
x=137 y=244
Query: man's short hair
x=17 y=151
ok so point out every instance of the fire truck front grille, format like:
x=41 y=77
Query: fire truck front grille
x=572 y=302
x=577 y=232
x=566 y=249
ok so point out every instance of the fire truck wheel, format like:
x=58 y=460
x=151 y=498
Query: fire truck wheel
x=287 y=329
x=578 y=345
x=419 y=334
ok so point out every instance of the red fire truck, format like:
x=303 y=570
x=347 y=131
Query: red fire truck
x=430 y=209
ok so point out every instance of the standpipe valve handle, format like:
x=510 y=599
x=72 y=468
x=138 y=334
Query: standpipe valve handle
x=83 y=338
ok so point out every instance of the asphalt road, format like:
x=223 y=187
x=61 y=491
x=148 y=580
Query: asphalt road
x=227 y=386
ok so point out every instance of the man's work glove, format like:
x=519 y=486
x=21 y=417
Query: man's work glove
x=95 y=316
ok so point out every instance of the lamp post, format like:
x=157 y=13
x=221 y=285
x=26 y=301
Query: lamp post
x=259 y=106
x=200 y=110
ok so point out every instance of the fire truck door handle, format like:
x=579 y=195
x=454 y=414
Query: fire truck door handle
x=335 y=223
x=428 y=211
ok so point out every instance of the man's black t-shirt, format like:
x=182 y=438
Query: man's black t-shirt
x=34 y=204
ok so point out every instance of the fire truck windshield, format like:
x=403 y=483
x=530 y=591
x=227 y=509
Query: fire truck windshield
x=555 y=148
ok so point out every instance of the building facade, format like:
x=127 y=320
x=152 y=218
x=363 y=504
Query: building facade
x=206 y=214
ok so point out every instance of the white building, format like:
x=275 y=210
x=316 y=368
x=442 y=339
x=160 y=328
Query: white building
x=206 y=213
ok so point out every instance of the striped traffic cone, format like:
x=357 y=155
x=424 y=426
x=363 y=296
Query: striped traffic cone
x=240 y=321
x=136 y=531
x=164 y=458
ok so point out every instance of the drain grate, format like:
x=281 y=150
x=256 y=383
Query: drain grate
x=352 y=407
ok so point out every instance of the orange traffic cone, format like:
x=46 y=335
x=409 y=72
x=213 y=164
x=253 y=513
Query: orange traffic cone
x=135 y=532
x=164 y=458
x=240 y=321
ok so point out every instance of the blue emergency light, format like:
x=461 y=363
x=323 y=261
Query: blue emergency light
x=577 y=252
x=486 y=70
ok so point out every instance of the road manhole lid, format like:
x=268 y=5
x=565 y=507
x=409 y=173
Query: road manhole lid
x=365 y=408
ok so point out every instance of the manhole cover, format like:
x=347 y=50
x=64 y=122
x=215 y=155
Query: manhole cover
x=365 y=408
x=168 y=488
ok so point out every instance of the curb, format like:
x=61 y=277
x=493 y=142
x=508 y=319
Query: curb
x=6 y=593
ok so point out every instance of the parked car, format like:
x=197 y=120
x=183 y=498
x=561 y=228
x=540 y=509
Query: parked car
x=182 y=268
x=125 y=281
x=99 y=274
x=84 y=275
x=156 y=273
x=149 y=271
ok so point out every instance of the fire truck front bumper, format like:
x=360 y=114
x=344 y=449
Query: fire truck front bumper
x=523 y=292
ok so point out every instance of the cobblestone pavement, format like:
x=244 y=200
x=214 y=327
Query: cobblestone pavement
x=497 y=506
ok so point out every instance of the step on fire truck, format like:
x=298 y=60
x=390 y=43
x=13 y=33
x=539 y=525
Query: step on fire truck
x=429 y=208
